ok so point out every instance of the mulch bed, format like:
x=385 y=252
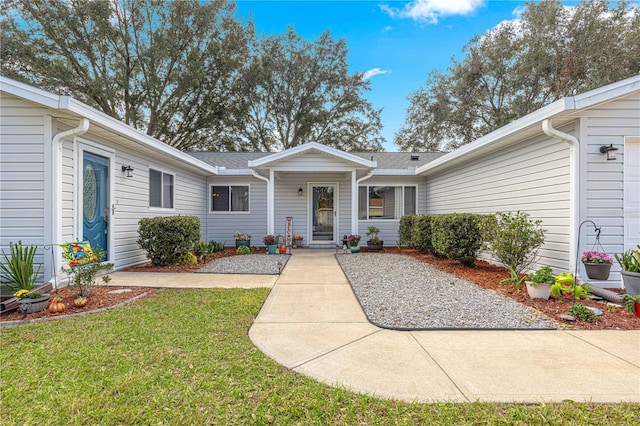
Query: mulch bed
x=482 y=274
x=101 y=297
x=489 y=276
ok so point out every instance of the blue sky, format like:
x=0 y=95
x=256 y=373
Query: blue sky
x=399 y=42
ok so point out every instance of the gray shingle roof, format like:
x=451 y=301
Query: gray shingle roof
x=386 y=160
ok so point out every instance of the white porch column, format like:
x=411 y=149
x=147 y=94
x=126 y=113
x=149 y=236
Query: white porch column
x=354 y=203
x=271 y=197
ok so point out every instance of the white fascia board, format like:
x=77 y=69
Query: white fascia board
x=312 y=146
x=29 y=93
x=394 y=172
x=235 y=172
x=110 y=123
x=494 y=137
x=607 y=93
x=314 y=169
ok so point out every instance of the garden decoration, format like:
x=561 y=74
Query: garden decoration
x=597 y=263
x=85 y=263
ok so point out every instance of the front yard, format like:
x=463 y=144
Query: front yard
x=183 y=357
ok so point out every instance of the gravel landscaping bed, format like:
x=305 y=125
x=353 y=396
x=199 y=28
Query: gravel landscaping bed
x=260 y=264
x=400 y=292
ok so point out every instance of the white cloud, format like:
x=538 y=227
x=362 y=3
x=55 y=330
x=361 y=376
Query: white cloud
x=373 y=72
x=430 y=11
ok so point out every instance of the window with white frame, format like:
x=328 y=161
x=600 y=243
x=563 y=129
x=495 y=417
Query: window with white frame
x=386 y=202
x=230 y=198
x=161 y=189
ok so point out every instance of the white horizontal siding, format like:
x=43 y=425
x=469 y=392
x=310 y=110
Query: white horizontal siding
x=531 y=176
x=310 y=160
x=22 y=156
x=603 y=195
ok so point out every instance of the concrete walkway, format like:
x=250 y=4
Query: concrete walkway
x=313 y=324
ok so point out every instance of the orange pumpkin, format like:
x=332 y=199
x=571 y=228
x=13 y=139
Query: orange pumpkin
x=80 y=302
x=57 y=305
x=283 y=249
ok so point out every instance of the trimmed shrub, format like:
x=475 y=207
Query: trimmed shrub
x=457 y=236
x=168 y=240
x=405 y=230
x=513 y=239
x=421 y=230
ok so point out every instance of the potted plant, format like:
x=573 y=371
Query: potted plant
x=297 y=241
x=630 y=270
x=597 y=264
x=31 y=301
x=539 y=283
x=374 y=243
x=633 y=303
x=272 y=243
x=354 y=241
x=242 y=238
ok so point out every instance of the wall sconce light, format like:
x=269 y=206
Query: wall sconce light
x=299 y=192
x=610 y=151
x=128 y=169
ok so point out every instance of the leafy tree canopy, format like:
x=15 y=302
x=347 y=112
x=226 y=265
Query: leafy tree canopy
x=520 y=66
x=189 y=73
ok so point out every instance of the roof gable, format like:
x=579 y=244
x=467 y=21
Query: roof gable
x=311 y=148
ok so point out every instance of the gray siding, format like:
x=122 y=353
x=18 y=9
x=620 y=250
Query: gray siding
x=389 y=227
x=532 y=176
x=22 y=169
x=602 y=197
x=221 y=226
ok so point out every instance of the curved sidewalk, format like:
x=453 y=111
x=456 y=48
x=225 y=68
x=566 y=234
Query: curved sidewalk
x=313 y=324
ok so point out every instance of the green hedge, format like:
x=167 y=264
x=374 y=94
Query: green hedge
x=167 y=240
x=405 y=230
x=457 y=236
x=421 y=238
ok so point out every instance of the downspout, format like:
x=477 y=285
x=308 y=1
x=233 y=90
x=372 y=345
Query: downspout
x=270 y=224
x=574 y=184
x=354 y=204
x=56 y=215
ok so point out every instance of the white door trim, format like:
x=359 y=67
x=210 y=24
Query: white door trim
x=336 y=210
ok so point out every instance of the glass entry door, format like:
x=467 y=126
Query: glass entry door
x=95 y=200
x=323 y=213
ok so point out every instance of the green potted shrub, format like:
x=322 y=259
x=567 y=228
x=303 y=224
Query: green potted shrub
x=630 y=270
x=19 y=275
x=539 y=283
x=374 y=243
x=271 y=242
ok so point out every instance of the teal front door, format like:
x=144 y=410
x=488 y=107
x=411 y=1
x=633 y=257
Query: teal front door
x=95 y=200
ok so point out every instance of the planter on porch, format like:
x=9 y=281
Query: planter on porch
x=355 y=249
x=272 y=248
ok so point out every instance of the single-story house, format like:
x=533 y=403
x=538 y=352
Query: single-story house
x=69 y=172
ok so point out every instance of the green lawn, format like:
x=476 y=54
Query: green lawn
x=184 y=358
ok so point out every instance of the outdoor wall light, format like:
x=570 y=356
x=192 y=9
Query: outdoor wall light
x=299 y=192
x=128 y=169
x=610 y=151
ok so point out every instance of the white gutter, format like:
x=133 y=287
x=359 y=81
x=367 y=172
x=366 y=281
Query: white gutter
x=574 y=185
x=56 y=209
x=354 y=199
x=270 y=210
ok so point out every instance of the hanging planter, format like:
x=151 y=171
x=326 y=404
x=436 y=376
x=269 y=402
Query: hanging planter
x=597 y=264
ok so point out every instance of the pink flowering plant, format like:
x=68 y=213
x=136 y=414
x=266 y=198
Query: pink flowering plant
x=354 y=240
x=596 y=257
